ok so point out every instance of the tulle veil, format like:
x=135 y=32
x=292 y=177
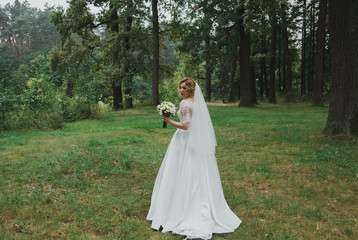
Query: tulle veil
x=201 y=138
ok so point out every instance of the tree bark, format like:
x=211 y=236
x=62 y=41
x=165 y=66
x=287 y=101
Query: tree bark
x=116 y=81
x=288 y=67
x=245 y=81
x=21 y=51
x=320 y=46
x=208 y=69
x=14 y=45
x=262 y=77
x=303 y=54
x=311 y=55
x=233 y=70
x=287 y=54
x=155 y=76
x=279 y=63
x=127 y=62
x=253 y=82
x=343 y=61
x=272 y=68
x=117 y=95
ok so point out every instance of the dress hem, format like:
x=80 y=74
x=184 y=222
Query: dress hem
x=184 y=232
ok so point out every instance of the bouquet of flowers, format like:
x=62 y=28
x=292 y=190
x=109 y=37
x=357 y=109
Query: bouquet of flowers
x=166 y=109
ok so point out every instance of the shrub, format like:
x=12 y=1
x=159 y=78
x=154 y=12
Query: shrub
x=42 y=106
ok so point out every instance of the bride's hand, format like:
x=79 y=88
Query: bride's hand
x=166 y=118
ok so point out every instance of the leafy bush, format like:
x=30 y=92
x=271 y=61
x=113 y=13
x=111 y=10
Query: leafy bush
x=36 y=107
x=8 y=98
x=77 y=109
x=44 y=106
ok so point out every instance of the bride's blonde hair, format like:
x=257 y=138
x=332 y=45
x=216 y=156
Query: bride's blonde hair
x=189 y=83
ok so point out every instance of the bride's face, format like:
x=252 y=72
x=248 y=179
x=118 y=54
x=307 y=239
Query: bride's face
x=184 y=91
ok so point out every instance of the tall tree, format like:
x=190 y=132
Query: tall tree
x=128 y=75
x=207 y=26
x=272 y=68
x=155 y=73
x=234 y=60
x=263 y=76
x=196 y=36
x=246 y=99
x=319 y=61
x=281 y=73
x=303 y=49
x=253 y=82
x=311 y=46
x=113 y=27
x=118 y=32
x=17 y=25
x=287 y=54
x=263 y=69
x=343 y=63
x=208 y=67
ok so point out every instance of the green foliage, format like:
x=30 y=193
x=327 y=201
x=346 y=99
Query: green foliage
x=38 y=107
x=101 y=50
x=26 y=32
x=38 y=103
x=168 y=91
x=75 y=108
x=39 y=95
x=8 y=98
x=116 y=38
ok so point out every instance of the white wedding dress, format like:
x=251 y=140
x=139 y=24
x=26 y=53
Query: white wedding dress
x=187 y=198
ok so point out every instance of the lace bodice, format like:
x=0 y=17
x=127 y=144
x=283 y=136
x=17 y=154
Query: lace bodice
x=185 y=111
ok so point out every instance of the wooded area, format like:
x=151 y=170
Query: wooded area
x=57 y=64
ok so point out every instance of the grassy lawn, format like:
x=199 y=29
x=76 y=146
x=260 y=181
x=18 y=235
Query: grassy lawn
x=93 y=179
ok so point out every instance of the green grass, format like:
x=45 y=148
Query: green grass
x=93 y=179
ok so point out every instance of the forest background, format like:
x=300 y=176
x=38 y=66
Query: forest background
x=270 y=71
x=60 y=65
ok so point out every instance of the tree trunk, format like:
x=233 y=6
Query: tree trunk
x=311 y=49
x=245 y=81
x=303 y=54
x=127 y=62
x=208 y=69
x=253 y=82
x=284 y=75
x=117 y=96
x=233 y=70
x=69 y=88
x=272 y=93
x=320 y=46
x=262 y=80
x=116 y=82
x=288 y=65
x=21 y=51
x=343 y=61
x=279 y=62
x=14 y=45
x=155 y=77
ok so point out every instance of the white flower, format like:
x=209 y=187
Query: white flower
x=166 y=108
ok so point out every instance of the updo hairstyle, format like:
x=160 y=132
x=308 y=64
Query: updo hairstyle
x=190 y=84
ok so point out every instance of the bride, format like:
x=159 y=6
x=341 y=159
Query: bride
x=187 y=198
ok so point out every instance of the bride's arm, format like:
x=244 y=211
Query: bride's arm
x=184 y=126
